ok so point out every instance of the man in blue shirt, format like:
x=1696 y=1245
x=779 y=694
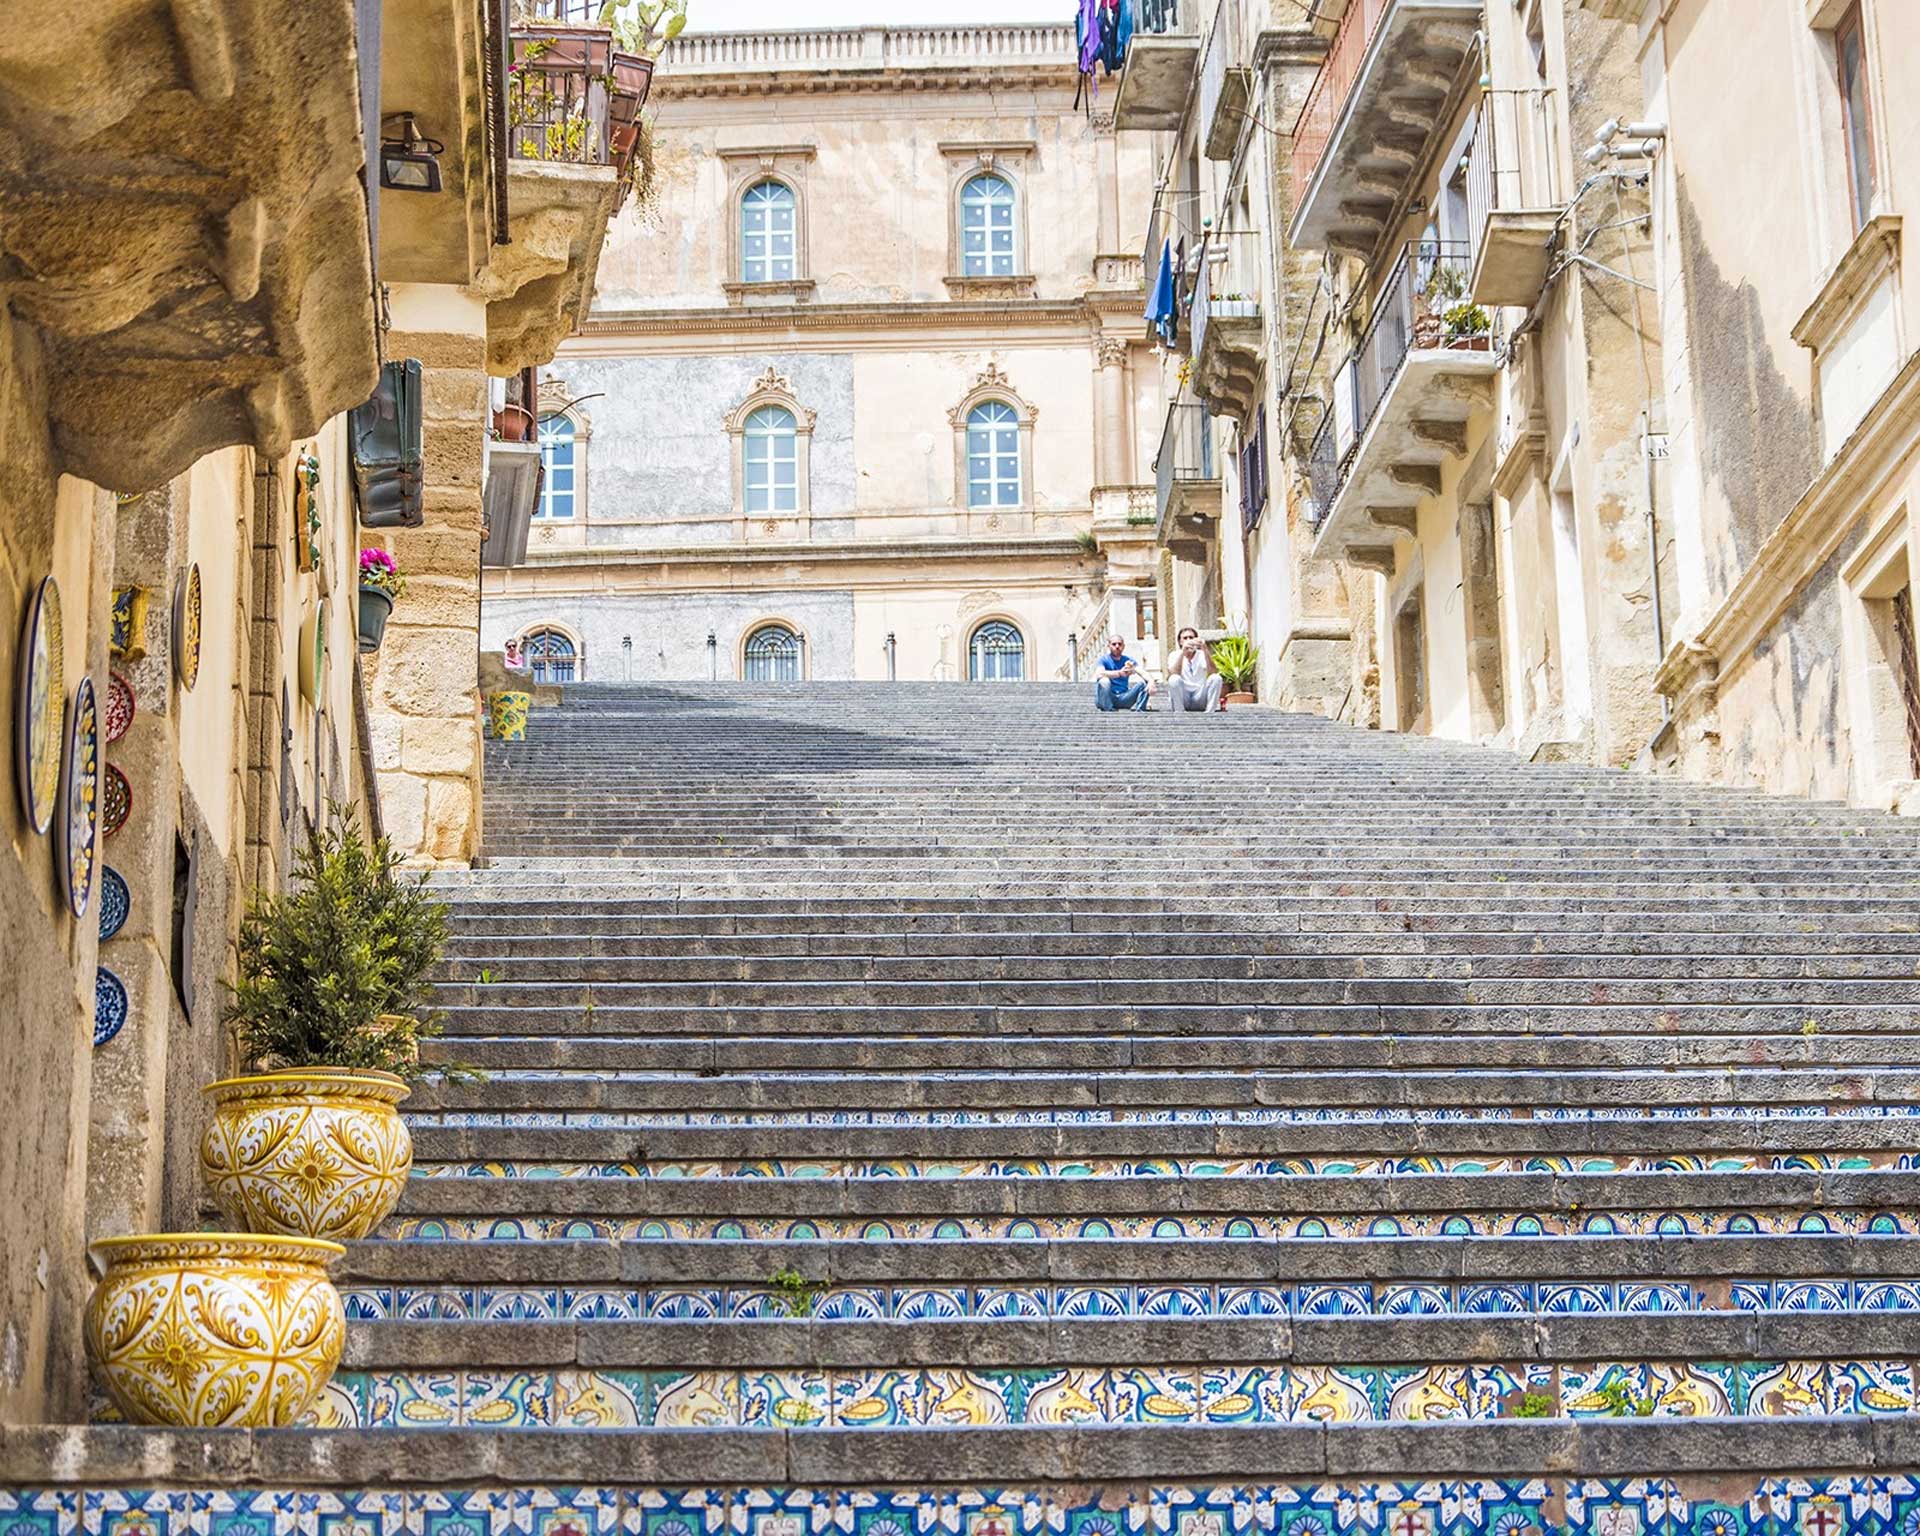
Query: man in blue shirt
x=1121 y=684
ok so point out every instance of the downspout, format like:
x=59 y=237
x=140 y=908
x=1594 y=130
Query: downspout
x=497 y=70
x=363 y=734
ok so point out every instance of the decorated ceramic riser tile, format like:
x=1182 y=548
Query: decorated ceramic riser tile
x=505 y=1399
x=674 y=1512
x=779 y=1511
x=477 y=1512
x=696 y=1399
x=135 y=1512
x=40 y=1512
x=601 y=1400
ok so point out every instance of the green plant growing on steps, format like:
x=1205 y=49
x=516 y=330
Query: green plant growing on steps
x=486 y=977
x=1534 y=1405
x=1086 y=540
x=1237 y=660
x=333 y=973
x=1622 y=1402
x=794 y=1293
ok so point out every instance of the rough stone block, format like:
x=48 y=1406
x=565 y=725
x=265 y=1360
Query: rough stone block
x=428 y=672
x=449 y=746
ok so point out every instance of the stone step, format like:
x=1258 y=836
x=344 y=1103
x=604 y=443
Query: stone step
x=1169 y=1149
x=1297 y=1092
x=1186 y=1209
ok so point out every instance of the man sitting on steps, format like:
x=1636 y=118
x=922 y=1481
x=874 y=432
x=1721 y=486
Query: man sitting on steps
x=1192 y=682
x=1121 y=684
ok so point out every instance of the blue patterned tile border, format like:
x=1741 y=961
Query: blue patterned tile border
x=1186 y=1228
x=1178 y=1168
x=1882 y=1504
x=943 y=1303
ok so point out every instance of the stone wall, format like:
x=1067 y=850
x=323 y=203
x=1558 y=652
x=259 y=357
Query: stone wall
x=423 y=685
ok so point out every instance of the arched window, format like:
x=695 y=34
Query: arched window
x=986 y=227
x=767 y=212
x=773 y=655
x=558 y=445
x=993 y=455
x=998 y=653
x=772 y=460
x=551 y=657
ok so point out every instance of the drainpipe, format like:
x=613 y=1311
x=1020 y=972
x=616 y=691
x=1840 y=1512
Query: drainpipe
x=1653 y=556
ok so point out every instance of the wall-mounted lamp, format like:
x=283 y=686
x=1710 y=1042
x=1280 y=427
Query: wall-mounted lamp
x=410 y=163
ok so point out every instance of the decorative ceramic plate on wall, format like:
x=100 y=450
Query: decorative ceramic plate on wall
x=186 y=629
x=313 y=654
x=116 y=902
x=109 y=1006
x=76 y=832
x=117 y=716
x=116 y=801
x=40 y=706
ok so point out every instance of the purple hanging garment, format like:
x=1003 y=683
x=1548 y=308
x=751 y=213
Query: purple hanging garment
x=1089 y=35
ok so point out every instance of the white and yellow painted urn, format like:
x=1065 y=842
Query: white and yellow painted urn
x=318 y=1152
x=203 y=1330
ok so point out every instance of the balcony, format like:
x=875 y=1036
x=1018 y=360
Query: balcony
x=1186 y=472
x=1157 y=77
x=1514 y=200
x=573 y=122
x=1226 y=82
x=1381 y=93
x=1401 y=407
x=1229 y=345
x=185 y=227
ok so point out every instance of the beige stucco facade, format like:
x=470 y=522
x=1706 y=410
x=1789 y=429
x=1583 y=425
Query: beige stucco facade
x=1581 y=363
x=878 y=344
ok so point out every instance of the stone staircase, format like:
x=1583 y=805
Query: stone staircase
x=946 y=1108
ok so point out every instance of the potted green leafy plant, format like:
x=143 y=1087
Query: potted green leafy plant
x=1237 y=660
x=1468 y=325
x=380 y=584
x=327 y=1014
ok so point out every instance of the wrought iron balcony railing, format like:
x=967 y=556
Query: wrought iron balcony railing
x=1338 y=72
x=1186 y=452
x=1423 y=306
x=572 y=96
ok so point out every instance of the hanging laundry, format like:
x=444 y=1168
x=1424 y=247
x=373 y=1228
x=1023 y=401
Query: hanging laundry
x=1110 y=35
x=1162 y=311
x=1123 y=33
x=1087 y=33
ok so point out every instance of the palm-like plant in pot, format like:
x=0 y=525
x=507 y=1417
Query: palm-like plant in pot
x=1237 y=660
x=327 y=1015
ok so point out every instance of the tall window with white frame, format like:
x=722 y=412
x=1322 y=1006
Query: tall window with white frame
x=993 y=455
x=559 y=445
x=772 y=461
x=987 y=227
x=1856 y=112
x=768 y=212
x=551 y=656
x=998 y=653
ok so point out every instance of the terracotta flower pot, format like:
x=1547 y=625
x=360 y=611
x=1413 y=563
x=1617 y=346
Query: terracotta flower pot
x=315 y=1153
x=203 y=1330
x=1240 y=698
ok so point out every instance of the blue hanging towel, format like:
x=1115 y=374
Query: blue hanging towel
x=1161 y=311
x=1123 y=30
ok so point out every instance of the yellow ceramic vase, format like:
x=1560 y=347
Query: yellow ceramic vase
x=209 y=1330
x=313 y=1153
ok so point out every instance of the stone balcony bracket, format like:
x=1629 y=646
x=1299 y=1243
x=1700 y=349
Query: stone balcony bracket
x=1353 y=171
x=1228 y=366
x=1420 y=427
x=538 y=288
x=185 y=229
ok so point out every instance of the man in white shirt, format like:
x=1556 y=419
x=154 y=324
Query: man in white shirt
x=1192 y=683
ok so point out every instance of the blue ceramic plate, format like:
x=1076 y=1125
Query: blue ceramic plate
x=109 y=1006
x=116 y=902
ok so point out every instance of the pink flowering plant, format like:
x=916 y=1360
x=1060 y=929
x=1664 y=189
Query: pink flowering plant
x=378 y=571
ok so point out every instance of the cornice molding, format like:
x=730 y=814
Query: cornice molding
x=930 y=81
x=1805 y=539
x=933 y=314
x=766 y=151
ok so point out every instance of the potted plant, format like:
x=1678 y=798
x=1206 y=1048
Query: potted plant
x=207 y=1330
x=380 y=583
x=1468 y=326
x=1237 y=660
x=327 y=1015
